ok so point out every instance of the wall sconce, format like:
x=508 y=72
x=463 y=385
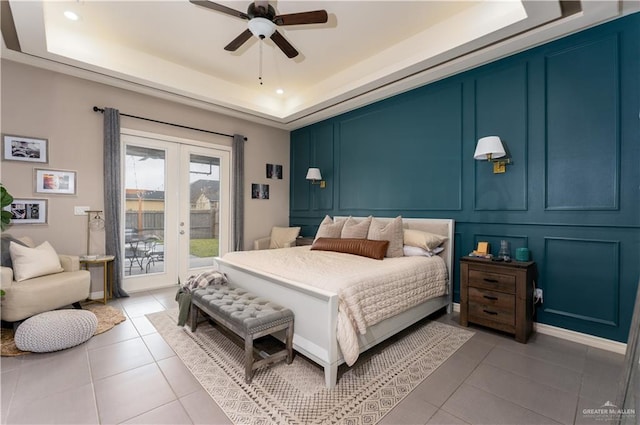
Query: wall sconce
x=313 y=174
x=489 y=148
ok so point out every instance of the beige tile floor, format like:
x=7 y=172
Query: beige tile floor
x=130 y=375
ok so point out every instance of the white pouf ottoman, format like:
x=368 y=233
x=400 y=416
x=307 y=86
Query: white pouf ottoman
x=55 y=330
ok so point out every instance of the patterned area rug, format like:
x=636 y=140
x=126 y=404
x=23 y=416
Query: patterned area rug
x=295 y=394
x=107 y=316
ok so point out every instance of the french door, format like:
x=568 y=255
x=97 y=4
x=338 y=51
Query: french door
x=176 y=208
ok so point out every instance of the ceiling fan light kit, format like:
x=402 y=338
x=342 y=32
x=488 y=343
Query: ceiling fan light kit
x=262 y=28
x=263 y=21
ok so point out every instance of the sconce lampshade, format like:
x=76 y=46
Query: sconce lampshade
x=314 y=174
x=489 y=147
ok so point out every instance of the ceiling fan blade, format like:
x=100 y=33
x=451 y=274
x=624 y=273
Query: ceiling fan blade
x=220 y=8
x=313 y=17
x=238 y=41
x=284 y=45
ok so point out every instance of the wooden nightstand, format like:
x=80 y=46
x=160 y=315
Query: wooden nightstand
x=303 y=241
x=498 y=295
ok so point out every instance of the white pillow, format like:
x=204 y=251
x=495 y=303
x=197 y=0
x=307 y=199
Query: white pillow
x=414 y=251
x=329 y=228
x=391 y=232
x=421 y=239
x=33 y=262
x=354 y=229
x=281 y=236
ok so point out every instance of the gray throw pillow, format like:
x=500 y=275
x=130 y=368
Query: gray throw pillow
x=6 y=255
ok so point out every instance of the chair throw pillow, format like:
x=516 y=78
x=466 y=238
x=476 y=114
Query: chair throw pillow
x=33 y=262
x=281 y=236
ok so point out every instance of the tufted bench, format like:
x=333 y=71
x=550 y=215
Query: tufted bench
x=248 y=316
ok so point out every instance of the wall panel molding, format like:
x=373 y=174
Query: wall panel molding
x=582 y=147
x=501 y=109
x=582 y=279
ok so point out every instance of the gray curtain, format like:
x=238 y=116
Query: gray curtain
x=238 y=192
x=112 y=193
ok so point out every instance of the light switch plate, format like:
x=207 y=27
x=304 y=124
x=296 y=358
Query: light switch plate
x=80 y=210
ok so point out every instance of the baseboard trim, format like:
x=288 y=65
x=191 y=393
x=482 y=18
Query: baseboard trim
x=95 y=296
x=586 y=339
x=569 y=335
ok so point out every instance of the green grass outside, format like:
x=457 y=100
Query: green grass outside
x=204 y=247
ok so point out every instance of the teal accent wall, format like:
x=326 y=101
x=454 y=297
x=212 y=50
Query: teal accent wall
x=568 y=114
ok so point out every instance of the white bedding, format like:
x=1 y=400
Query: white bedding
x=369 y=290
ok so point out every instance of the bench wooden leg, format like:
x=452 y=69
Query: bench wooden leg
x=289 y=343
x=194 y=317
x=248 y=358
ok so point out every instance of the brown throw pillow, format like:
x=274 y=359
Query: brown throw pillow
x=362 y=247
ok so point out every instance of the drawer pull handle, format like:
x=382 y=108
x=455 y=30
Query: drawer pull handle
x=490 y=297
x=493 y=313
x=490 y=280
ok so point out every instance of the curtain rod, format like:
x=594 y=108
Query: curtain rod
x=101 y=110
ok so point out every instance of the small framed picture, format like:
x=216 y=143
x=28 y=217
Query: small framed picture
x=28 y=149
x=28 y=211
x=55 y=181
x=259 y=191
x=274 y=171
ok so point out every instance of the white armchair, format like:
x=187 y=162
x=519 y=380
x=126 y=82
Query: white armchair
x=281 y=237
x=35 y=295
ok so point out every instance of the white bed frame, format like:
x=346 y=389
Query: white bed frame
x=316 y=310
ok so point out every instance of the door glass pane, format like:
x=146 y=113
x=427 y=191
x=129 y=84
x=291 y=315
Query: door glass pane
x=144 y=210
x=204 y=216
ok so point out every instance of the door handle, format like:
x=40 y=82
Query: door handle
x=182 y=232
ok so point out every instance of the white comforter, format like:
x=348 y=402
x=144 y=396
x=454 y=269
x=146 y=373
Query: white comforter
x=369 y=290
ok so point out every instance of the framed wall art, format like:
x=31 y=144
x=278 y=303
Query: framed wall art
x=28 y=149
x=274 y=171
x=28 y=211
x=55 y=181
x=259 y=191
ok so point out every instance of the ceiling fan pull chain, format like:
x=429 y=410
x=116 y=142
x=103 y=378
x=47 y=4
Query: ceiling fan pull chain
x=260 y=65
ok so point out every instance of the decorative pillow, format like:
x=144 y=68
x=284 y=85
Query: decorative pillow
x=362 y=247
x=354 y=229
x=421 y=239
x=329 y=228
x=33 y=262
x=281 y=236
x=414 y=251
x=4 y=249
x=391 y=232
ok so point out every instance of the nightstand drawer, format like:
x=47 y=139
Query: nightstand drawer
x=481 y=313
x=492 y=281
x=493 y=300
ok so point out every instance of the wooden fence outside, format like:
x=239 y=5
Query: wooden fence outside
x=204 y=223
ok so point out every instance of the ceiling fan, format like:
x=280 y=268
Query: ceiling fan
x=263 y=21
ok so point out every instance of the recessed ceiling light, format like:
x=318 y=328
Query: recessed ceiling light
x=72 y=16
x=280 y=91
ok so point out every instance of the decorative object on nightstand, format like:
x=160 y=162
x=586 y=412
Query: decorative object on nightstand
x=498 y=295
